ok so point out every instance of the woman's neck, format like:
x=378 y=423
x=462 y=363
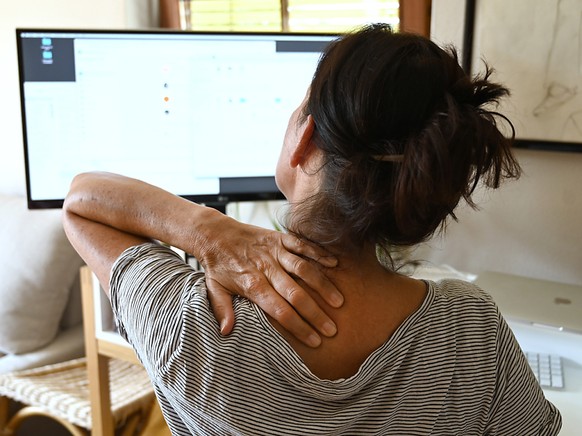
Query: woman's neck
x=376 y=301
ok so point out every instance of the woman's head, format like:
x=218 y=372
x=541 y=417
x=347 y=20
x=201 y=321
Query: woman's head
x=404 y=136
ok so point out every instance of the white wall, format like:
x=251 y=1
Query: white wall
x=37 y=13
x=531 y=227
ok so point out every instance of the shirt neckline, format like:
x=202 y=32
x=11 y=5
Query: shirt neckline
x=293 y=367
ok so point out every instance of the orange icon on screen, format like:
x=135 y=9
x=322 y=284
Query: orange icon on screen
x=166 y=99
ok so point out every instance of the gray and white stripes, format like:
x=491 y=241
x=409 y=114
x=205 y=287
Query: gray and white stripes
x=452 y=368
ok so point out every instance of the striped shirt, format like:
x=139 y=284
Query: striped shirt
x=452 y=368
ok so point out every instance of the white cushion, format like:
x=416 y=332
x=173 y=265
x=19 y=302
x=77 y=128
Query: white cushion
x=38 y=266
x=67 y=345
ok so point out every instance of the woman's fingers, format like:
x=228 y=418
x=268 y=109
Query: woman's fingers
x=275 y=297
x=300 y=302
x=311 y=251
x=221 y=303
x=294 y=262
x=313 y=277
x=282 y=312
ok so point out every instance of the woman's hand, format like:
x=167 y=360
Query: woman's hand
x=263 y=266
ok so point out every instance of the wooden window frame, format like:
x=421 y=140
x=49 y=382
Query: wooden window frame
x=415 y=16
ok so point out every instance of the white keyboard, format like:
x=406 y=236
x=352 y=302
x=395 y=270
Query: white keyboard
x=547 y=368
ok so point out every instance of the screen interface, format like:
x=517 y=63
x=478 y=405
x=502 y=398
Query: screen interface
x=196 y=114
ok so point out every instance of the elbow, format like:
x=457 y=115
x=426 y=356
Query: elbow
x=71 y=195
x=69 y=206
x=78 y=191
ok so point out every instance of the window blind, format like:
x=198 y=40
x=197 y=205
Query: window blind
x=285 y=15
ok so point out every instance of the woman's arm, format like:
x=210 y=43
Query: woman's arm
x=105 y=213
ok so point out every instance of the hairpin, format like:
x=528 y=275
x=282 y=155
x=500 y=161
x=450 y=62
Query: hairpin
x=389 y=157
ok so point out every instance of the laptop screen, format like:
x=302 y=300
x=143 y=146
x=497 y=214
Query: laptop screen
x=199 y=114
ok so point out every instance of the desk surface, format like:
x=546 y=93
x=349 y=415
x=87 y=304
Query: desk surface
x=569 y=346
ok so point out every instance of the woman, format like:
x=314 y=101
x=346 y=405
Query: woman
x=391 y=136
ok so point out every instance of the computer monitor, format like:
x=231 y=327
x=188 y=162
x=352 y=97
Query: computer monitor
x=199 y=114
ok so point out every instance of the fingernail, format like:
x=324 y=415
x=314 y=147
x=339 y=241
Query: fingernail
x=314 y=340
x=329 y=329
x=328 y=261
x=336 y=299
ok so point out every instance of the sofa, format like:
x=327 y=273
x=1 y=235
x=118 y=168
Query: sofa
x=40 y=301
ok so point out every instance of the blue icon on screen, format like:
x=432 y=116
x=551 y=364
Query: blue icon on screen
x=47 y=57
x=47 y=41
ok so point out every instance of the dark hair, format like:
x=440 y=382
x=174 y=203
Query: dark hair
x=376 y=94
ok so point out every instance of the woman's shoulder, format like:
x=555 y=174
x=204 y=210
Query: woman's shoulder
x=463 y=307
x=456 y=290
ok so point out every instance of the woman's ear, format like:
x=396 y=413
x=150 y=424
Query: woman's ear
x=305 y=145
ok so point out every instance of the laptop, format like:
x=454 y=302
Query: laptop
x=537 y=302
x=558 y=307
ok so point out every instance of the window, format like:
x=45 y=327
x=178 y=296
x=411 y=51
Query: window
x=286 y=15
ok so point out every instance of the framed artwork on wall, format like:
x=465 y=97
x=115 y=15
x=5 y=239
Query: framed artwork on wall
x=535 y=49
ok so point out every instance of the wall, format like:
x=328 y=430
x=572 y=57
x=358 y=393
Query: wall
x=37 y=13
x=530 y=227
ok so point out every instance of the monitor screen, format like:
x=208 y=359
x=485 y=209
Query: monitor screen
x=201 y=115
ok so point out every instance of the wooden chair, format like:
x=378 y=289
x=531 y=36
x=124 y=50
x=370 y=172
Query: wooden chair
x=102 y=348
x=107 y=391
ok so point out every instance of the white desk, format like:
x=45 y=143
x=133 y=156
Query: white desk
x=569 y=346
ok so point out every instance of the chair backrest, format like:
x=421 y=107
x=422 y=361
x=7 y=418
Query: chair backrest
x=99 y=350
x=101 y=346
x=97 y=364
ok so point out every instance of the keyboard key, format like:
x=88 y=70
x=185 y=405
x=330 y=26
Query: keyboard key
x=547 y=369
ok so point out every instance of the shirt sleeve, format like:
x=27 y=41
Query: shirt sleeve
x=150 y=287
x=519 y=406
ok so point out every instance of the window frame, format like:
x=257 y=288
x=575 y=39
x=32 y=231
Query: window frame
x=414 y=15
